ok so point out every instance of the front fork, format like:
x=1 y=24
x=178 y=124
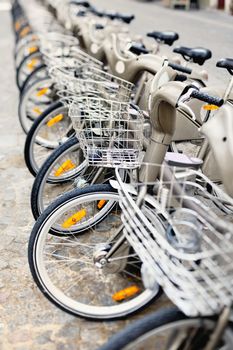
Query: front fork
x=219 y=329
x=119 y=236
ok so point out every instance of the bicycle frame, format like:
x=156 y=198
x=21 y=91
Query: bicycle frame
x=163 y=119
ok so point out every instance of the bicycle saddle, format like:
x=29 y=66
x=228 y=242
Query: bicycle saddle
x=138 y=49
x=182 y=160
x=125 y=18
x=115 y=15
x=80 y=3
x=197 y=54
x=226 y=63
x=167 y=37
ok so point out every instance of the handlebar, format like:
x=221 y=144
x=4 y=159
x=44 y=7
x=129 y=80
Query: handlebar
x=180 y=68
x=181 y=77
x=99 y=26
x=97 y=12
x=213 y=100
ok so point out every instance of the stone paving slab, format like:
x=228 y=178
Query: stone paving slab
x=27 y=319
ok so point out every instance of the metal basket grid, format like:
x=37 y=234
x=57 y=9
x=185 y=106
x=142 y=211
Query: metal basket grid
x=109 y=134
x=86 y=79
x=57 y=48
x=181 y=250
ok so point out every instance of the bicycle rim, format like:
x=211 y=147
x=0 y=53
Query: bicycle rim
x=91 y=291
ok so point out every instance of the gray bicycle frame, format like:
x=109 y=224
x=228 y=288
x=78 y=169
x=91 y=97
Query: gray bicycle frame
x=163 y=120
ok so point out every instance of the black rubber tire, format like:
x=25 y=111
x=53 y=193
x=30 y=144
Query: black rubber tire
x=68 y=196
x=42 y=172
x=31 y=133
x=21 y=65
x=42 y=221
x=29 y=77
x=17 y=34
x=139 y=328
x=22 y=98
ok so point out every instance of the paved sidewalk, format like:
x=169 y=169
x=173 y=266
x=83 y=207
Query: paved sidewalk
x=27 y=319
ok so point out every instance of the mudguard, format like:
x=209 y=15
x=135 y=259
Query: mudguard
x=219 y=131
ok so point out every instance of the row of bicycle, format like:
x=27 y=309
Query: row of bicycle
x=120 y=209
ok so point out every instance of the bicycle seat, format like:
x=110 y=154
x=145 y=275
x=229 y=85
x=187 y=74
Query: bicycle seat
x=182 y=160
x=80 y=3
x=167 y=37
x=226 y=63
x=125 y=18
x=138 y=49
x=197 y=54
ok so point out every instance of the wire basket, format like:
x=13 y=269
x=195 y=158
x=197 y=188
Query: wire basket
x=110 y=134
x=188 y=252
x=85 y=79
x=59 y=48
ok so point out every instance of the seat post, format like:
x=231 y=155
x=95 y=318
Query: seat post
x=228 y=89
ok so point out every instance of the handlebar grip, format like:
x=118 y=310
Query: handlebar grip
x=180 y=68
x=213 y=100
x=99 y=26
x=181 y=77
x=150 y=34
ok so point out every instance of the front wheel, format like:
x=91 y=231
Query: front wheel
x=168 y=329
x=47 y=132
x=34 y=100
x=68 y=266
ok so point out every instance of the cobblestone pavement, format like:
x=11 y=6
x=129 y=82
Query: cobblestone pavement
x=27 y=319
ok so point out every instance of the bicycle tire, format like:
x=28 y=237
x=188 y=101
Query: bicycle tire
x=22 y=113
x=19 y=68
x=144 y=327
x=72 y=142
x=26 y=83
x=31 y=135
x=33 y=255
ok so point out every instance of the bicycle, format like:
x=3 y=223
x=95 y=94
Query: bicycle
x=33 y=167
x=82 y=210
x=192 y=247
x=46 y=189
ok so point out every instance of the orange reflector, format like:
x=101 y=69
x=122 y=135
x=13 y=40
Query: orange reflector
x=32 y=49
x=55 y=120
x=126 y=293
x=42 y=92
x=101 y=203
x=24 y=32
x=32 y=63
x=66 y=166
x=37 y=110
x=210 y=107
x=17 y=25
x=72 y=220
